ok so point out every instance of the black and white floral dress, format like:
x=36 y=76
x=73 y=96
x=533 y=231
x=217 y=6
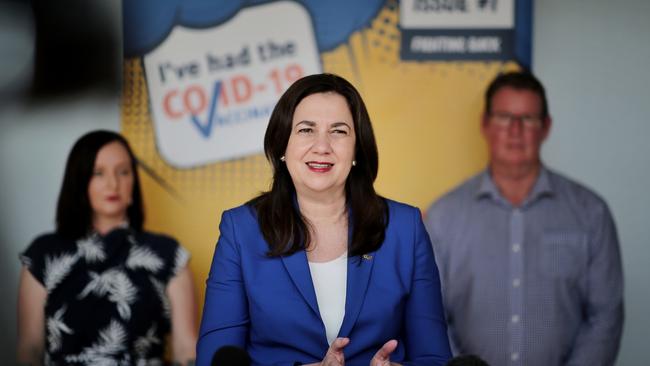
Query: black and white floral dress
x=106 y=299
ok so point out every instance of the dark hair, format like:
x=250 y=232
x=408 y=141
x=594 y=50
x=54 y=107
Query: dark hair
x=73 y=212
x=520 y=80
x=281 y=223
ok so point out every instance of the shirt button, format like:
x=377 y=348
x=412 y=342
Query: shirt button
x=516 y=247
x=516 y=282
x=514 y=356
x=515 y=319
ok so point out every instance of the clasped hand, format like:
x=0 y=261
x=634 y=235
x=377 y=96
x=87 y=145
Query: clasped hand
x=335 y=357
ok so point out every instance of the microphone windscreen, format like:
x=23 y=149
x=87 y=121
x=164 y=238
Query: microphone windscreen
x=231 y=356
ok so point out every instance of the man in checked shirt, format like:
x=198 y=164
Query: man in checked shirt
x=529 y=260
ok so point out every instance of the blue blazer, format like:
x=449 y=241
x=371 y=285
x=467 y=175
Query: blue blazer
x=268 y=305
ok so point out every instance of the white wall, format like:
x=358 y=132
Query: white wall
x=593 y=57
x=35 y=139
x=34 y=144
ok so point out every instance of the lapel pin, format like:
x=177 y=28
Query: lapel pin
x=367 y=257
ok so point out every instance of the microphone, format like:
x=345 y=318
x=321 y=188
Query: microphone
x=467 y=360
x=231 y=356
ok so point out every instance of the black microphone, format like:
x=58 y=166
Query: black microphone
x=467 y=360
x=231 y=356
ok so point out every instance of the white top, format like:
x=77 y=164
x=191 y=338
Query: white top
x=330 y=279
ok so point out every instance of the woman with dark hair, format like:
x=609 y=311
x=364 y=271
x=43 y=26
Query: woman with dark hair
x=321 y=269
x=100 y=290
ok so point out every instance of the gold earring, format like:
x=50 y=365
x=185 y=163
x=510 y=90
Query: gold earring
x=354 y=163
x=282 y=158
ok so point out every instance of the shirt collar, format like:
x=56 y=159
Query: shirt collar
x=542 y=188
x=487 y=188
x=124 y=225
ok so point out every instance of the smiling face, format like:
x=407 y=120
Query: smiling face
x=111 y=185
x=321 y=146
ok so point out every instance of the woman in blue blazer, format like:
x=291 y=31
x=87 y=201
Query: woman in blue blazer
x=321 y=269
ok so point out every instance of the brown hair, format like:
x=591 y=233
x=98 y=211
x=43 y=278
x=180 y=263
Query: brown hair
x=280 y=220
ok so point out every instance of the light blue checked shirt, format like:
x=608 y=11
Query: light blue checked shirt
x=538 y=284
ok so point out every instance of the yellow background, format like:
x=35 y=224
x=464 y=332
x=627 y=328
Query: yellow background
x=425 y=116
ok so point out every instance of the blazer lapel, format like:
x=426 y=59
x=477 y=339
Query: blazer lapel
x=298 y=268
x=359 y=269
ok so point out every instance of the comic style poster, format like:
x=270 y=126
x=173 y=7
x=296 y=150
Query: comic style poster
x=201 y=79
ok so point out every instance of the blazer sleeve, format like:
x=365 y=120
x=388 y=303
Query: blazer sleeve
x=425 y=337
x=225 y=313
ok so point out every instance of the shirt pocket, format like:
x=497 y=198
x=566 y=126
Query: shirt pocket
x=563 y=253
